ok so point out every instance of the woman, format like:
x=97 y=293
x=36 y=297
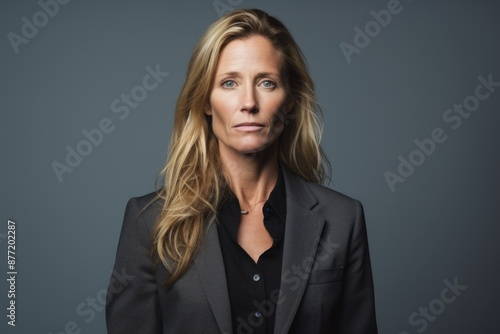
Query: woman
x=242 y=238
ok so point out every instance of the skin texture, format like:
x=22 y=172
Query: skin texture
x=247 y=89
x=246 y=105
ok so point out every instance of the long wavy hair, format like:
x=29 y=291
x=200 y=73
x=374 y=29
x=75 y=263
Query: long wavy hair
x=192 y=183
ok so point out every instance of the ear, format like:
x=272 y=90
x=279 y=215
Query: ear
x=208 y=110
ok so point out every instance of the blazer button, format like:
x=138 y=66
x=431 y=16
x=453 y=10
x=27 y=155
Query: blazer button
x=256 y=277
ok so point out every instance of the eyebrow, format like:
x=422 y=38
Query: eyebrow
x=238 y=74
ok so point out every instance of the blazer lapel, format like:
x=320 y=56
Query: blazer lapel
x=210 y=267
x=302 y=234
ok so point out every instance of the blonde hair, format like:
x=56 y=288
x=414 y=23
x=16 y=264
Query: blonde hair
x=192 y=181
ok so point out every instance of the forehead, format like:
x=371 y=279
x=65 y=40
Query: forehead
x=249 y=53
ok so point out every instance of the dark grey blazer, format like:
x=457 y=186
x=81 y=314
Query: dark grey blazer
x=326 y=282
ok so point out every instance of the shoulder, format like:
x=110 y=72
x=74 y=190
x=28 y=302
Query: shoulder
x=343 y=215
x=332 y=196
x=333 y=203
x=144 y=210
x=320 y=196
x=146 y=202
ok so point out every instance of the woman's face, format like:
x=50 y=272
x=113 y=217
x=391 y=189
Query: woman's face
x=248 y=95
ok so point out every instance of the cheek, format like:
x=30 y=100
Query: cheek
x=220 y=109
x=214 y=110
x=217 y=123
x=220 y=123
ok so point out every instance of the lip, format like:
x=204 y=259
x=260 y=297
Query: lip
x=249 y=126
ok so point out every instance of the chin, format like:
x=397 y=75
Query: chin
x=254 y=148
x=249 y=150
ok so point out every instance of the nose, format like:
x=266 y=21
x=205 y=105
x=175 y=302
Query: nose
x=249 y=100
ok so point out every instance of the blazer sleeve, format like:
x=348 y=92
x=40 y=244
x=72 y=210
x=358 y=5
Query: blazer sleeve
x=358 y=302
x=131 y=301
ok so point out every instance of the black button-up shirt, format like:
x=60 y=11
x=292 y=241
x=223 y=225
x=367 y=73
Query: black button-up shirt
x=253 y=287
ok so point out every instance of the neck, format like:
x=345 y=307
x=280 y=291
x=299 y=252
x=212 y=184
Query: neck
x=253 y=176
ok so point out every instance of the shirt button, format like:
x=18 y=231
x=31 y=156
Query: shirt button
x=268 y=209
x=258 y=314
x=256 y=277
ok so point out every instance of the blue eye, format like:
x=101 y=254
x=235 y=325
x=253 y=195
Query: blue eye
x=268 y=84
x=228 y=84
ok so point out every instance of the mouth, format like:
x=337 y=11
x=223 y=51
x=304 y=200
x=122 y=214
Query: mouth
x=249 y=126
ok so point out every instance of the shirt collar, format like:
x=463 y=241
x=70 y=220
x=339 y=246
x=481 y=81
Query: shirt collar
x=277 y=198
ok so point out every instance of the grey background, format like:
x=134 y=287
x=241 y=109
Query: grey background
x=441 y=223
